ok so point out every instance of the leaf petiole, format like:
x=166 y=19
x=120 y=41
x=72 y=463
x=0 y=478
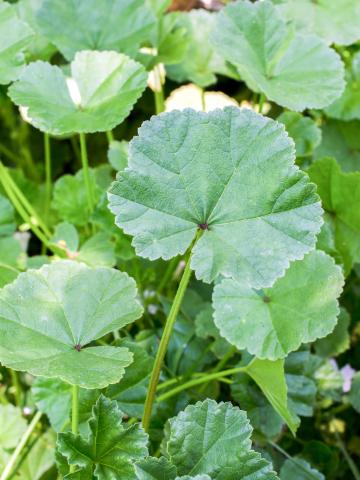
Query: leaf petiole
x=85 y=167
x=169 y=325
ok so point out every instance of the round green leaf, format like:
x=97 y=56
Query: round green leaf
x=120 y=25
x=49 y=316
x=102 y=90
x=272 y=322
x=7 y=218
x=340 y=195
x=214 y=439
x=15 y=36
x=335 y=21
x=228 y=171
x=299 y=469
x=338 y=341
x=347 y=107
x=201 y=62
x=293 y=70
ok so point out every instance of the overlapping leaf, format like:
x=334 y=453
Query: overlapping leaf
x=293 y=70
x=272 y=322
x=201 y=62
x=110 y=449
x=101 y=92
x=230 y=172
x=15 y=36
x=303 y=130
x=347 y=107
x=340 y=194
x=7 y=220
x=120 y=25
x=336 y=22
x=214 y=439
x=49 y=316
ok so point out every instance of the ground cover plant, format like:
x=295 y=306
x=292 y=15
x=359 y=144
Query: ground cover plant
x=179 y=240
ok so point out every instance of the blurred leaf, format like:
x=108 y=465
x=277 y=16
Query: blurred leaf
x=303 y=130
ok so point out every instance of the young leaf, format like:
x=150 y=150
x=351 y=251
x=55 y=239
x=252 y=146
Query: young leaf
x=229 y=172
x=49 y=316
x=272 y=322
x=101 y=92
x=270 y=377
x=335 y=22
x=152 y=468
x=7 y=219
x=39 y=48
x=303 y=130
x=214 y=439
x=340 y=195
x=347 y=107
x=293 y=70
x=201 y=62
x=110 y=449
x=15 y=36
x=299 y=469
x=13 y=425
x=120 y=25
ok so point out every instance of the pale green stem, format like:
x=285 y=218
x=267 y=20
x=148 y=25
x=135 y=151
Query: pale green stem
x=199 y=381
x=159 y=94
x=167 y=275
x=16 y=385
x=203 y=102
x=74 y=416
x=169 y=325
x=110 y=136
x=262 y=99
x=11 y=463
x=48 y=175
x=86 y=172
x=222 y=363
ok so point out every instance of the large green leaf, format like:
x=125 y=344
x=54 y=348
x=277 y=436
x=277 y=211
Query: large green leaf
x=15 y=36
x=110 y=449
x=270 y=377
x=120 y=25
x=49 y=316
x=13 y=425
x=214 y=439
x=295 y=71
x=340 y=195
x=101 y=92
x=347 y=107
x=230 y=172
x=201 y=62
x=334 y=21
x=272 y=322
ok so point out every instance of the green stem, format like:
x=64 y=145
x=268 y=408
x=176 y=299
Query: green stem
x=17 y=386
x=4 y=174
x=348 y=459
x=203 y=102
x=159 y=94
x=86 y=172
x=262 y=99
x=48 y=175
x=199 y=381
x=19 y=207
x=169 y=325
x=20 y=446
x=74 y=416
x=110 y=136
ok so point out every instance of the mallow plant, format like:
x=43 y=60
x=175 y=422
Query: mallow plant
x=179 y=287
